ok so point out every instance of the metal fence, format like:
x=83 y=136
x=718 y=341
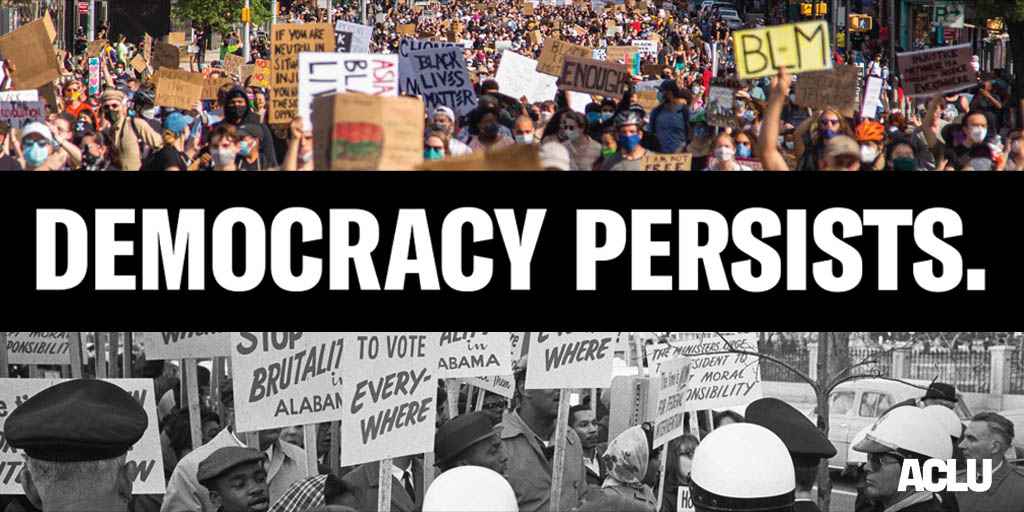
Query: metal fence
x=968 y=371
x=797 y=358
x=866 y=361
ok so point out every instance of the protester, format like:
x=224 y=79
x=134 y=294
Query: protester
x=133 y=139
x=629 y=133
x=987 y=438
x=677 y=469
x=236 y=479
x=623 y=489
x=316 y=491
x=40 y=149
x=406 y=484
x=583 y=421
x=470 y=440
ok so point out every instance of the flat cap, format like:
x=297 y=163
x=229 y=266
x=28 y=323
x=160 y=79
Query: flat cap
x=941 y=391
x=77 y=420
x=225 y=459
x=460 y=433
x=802 y=438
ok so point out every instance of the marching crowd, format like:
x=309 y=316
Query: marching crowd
x=500 y=457
x=119 y=127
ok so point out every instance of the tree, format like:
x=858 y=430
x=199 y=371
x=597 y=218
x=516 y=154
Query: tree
x=220 y=15
x=1013 y=12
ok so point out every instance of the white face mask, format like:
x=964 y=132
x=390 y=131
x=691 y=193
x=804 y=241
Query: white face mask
x=977 y=134
x=571 y=135
x=724 y=154
x=868 y=154
x=306 y=157
x=223 y=157
x=525 y=139
x=545 y=116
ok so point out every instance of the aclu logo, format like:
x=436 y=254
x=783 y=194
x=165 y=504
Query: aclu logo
x=927 y=476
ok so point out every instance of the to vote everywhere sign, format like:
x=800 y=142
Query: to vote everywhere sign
x=559 y=360
x=38 y=347
x=182 y=345
x=474 y=354
x=286 y=378
x=145 y=461
x=719 y=379
x=389 y=392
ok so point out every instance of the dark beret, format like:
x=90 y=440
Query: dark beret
x=801 y=437
x=77 y=420
x=225 y=459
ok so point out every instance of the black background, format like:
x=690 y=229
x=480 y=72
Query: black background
x=987 y=203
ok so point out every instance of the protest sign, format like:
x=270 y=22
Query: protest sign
x=145 y=463
x=182 y=345
x=651 y=70
x=27 y=95
x=95 y=48
x=38 y=347
x=286 y=378
x=528 y=9
x=138 y=64
x=720 y=379
x=517 y=76
x=474 y=354
x=20 y=113
x=801 y=47
x=321 y=73
x=359 y=132
x=553 y=55
x=390 y=390
x=147 y=47
x=535 y=37
x=287 y=41
x=872 y=98
x=165 y=56
x=646 y=47
x=30 y=49
x=510 y=158
x=211 y=86
x=570 y=359
x=685 y=502
x=647 y=99
x=408 y=29
x=233 y=64
x=261 y=73
x=667 y=162
x=623 y=54
x=176 y=39
x=500 y=46
x=673 y=376
x=834 y=88
x=439 y=76
x=720 y=110
x=599 y=54
x=246 y=72
x=602 y=78
x=937 y=70
x=178 y=88
x=94 y=76
x=405 y=61
x=504 y=385
x=352 y=37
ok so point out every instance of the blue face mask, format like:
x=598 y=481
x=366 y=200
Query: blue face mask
x=743 y=151
x=629 y=142
x=245 y=149
x=828 y=133
x=36 y=154
x=606 y=116
x=593 y=117
x=432 y=154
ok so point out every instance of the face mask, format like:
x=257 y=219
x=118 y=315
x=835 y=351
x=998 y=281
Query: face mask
x=743 y=151
x=246 y=149
x=606 y=116
x=980 y=164
x=629 y=142
x=233 y=113
x=828 y=133
x=593 y=117
x=36 y=154
x=903 y=164
x=546 y=116
x=432 y=154
x=868 y=154
x=792 y=98
x=748 y=115
x=306 y=157
x=525 y=139
x=571 y=135
x=607 y=152
x=696 y=91
x=977 y=134
x=112 y=115
x=223 y=157
x=149 y=113
x=724 y=154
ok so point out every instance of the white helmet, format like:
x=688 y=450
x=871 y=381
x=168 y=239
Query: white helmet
x=947 y=419
x=909 y=429
x=746 y=449
x=470 y=489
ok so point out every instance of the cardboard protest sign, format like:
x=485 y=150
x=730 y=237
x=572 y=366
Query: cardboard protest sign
x=439 y=76
x=165 y=56
x=390 y=390
x=178 y=88
x=646 y=47
x=673 y=375
x=138 y=64
x=20 y=113
x=553 y=55
x=599 y=54
x=719 y=380
x=176 y=39
x=286 y=378
x=872 y=98
x=145 y=462
x=405 y=61
x=51 y=30
x=38 y=347
x=602 y=78
x=352 y=37
x=408 y=29
x=517 y=76
x=287 y=41
x=667 y=162
x=571 y=360
x=473 y=354
x=320 y=73
x=623 y=54
x=510 y=158
x=937 y=70
x=182 y=345
x=362 y=132
x=30 y=49
x=835 y=88
x=527 y=9
x=27 y=95
x=245 y=72
x=211 y=86
x=261 y=73
x=95 y=48
x=801 y=47
x=720 y=110
x=233 y=64
x=684 y=502
x=647 y=99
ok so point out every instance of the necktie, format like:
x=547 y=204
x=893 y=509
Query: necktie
x=407 y=481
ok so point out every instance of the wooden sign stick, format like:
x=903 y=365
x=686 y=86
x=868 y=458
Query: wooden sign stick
x=384 y=486
x=126 y=359
x=309 y=444
x=429 y=471
x=75 y=348
x=4 y=371
x=335 y=455
x=99 y=349
x=661 y=479
x=452 y=388
x=195 y=419
x=593 y=402
x=480 y=396
x=114 y=370
x=558 y=466
x=217 y=377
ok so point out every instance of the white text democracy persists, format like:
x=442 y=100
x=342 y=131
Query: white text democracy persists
x=601 y=236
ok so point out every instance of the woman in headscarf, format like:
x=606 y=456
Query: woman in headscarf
x=623 y=489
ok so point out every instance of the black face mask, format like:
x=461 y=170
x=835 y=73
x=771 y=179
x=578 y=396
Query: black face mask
x=233 y=113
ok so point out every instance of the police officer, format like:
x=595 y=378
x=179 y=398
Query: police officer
x=742 y=467
x=806 y=443
x=75 y=436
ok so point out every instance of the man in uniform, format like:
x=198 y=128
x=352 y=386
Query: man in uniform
x=236 y=479
x=988 y=437
x=76 y=435
x=741 y=467
x=470 y=440
x=805 y=442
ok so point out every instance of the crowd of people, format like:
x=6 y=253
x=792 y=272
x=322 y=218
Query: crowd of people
x=119 y=127
x=496 y=456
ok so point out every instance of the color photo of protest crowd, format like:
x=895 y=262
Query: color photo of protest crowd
x=500 y=84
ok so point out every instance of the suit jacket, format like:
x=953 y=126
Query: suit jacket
x=364 y=484
x=597 y=479
x=806 y=506
x=1006 y=493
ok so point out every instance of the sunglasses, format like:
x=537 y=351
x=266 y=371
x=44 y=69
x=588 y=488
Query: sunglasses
x=878 y=460
x=35 y=142
x=830 y=122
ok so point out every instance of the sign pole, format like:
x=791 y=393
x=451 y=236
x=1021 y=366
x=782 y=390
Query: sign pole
x=558 y=466
x=75 y=348
x=384 y=486
x=452 y=389
x=481 y=394
x=114 y=371
x=4 y=371
x=428 y=470
x=126 y=360
x=192 y=388
x=335 y=456
x=99 y=349
x=661 y=479
x=309 y=444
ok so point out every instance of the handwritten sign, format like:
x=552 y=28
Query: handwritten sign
x=321 y=73
x=390 y=392
x=38 y=347
x=359 y=132
x=720 y=109
x=138 y=64
x=409 y=29
x=181 y=345
x=439 y=76
x=800 y=47
x=717 y=380
x=30 y=49
x=233 y=64
x=260 y=73
x=287 y=41
x=20 y=113
x=552 y=56
x=673 y=375
x=646 y=47
x=517 y=76
x=872 y=98
x=937 y=70
x=179 y=89
x=667 y=162
x=145 y=463
x=352 y=37
x=165 y=56
x=571 y=360
x=95 y=48
x=474 y=354
x=176 y=39
x=594 y=77
x=28 y=95
x=286 y=378
x=94 y=76
x=621 y=54
x=405 y=61
x=835 y=88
